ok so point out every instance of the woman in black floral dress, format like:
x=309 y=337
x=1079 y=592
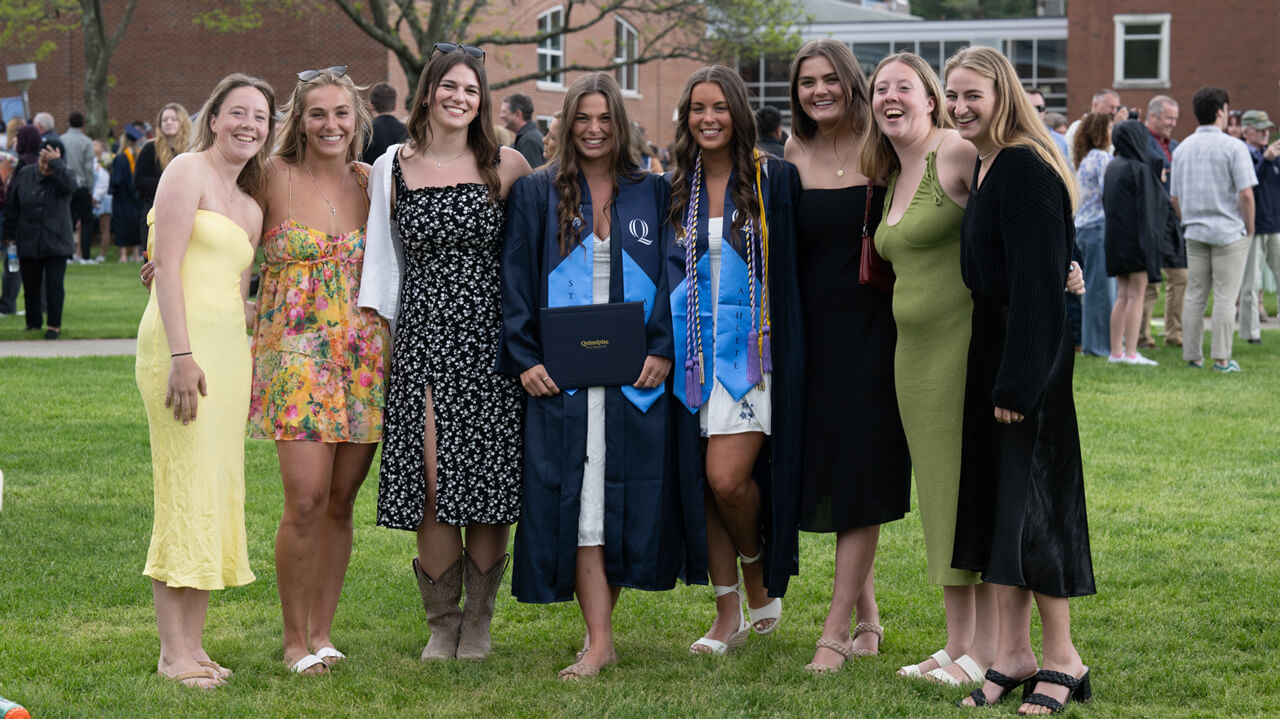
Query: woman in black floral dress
x=451 y=454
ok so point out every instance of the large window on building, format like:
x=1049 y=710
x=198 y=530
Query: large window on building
x=551 y=50
x=1142 y=51
x=625 y=51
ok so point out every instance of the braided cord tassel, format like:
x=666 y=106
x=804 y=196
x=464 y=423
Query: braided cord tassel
x=754 y=374
x=694 y=376
x=766 y=324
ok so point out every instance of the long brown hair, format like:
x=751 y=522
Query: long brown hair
x=878 y=158
x=852 y=81
x=1013 y=121
x=566 y=179
x=253 y=178
x=1094 y=132
x=293 y=134
x=480 y=137
x=167 y=149
x=741 y=149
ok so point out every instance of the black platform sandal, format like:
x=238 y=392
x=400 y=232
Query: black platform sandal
x=1081 y=691
x=1007 y=683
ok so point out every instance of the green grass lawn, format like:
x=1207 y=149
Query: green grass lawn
x=103 y=302
x=1182 y=474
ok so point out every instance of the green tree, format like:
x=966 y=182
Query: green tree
x=972 y=9
x=710 y=30
x=29 y=25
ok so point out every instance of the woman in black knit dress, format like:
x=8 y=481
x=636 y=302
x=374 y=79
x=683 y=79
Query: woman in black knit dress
x=1021 y=518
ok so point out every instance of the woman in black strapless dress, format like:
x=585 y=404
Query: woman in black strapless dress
x=856 y=474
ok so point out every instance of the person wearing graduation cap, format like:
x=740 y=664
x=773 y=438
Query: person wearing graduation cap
x=739 y=352
x=601 y=507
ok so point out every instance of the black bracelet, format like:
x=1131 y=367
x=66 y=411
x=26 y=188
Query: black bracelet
x=180 y=354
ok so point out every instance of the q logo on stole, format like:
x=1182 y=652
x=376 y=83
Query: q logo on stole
x=640 y=230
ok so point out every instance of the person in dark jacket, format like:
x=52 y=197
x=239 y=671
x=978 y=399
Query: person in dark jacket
x=126 y=205
x=38 y=218
x=1137 y=208
x=387 y=130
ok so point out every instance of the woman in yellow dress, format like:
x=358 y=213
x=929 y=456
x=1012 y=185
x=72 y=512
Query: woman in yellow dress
x=193 y=355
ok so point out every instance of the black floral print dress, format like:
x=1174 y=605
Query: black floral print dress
x=450 y=321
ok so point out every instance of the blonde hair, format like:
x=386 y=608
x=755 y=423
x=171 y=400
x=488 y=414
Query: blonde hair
x=166 y=150
x=878 y=158
x=11 y=132
x=1014 y=123
x=852 y=80
x=253 y=178
x=293 y=137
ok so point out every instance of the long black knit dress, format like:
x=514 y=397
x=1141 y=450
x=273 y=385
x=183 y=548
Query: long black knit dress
x=1021 y=518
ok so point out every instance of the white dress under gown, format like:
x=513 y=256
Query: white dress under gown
x=722 y=414
x=591 y=509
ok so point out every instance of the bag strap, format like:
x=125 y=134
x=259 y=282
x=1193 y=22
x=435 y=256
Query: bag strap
x=866 y=215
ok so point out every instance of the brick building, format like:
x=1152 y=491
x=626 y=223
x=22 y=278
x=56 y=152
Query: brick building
x=166 y=57
x=651 y=90
x=1144 y=48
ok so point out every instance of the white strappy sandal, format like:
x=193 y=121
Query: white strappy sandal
x=965 y=662
x=912 y=671
x=715 y=646
x=772 y=610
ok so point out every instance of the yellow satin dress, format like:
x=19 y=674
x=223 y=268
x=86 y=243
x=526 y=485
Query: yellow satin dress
x=198 y=535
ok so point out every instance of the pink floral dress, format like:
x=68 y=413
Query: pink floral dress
x=319 y=361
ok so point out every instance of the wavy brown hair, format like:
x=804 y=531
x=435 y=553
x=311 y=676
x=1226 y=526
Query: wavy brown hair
x=878 y=158
x=852 y=80
x=624 y=164
x=1014 y=123
x=1094 y=132
x=480 y=138
x=293 y=134
x=253 y=178
x=167 y=149
x=741 y=149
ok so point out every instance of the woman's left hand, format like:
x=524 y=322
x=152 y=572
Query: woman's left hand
x=1075 y=279
x=147 y=274
x=654 y=372
x=1007 y=416
x=251 y=316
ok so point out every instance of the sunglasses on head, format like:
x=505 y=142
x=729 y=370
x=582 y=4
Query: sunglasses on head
x=309 y=75
x=448 y=47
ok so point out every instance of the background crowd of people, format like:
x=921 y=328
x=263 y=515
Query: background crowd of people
x=412 y=273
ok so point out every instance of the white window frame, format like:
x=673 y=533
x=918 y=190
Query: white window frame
x=551 y=80
x=631 y=68
x=1161 y=82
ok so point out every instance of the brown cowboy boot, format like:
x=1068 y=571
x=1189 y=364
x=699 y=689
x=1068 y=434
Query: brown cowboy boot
x=440 y=600
x=477 y=610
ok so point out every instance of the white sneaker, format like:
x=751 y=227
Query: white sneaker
x=1137 y=359
x=1116 y=359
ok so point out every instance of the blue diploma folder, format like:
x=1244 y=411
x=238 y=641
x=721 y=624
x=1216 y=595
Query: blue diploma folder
x=593 y=345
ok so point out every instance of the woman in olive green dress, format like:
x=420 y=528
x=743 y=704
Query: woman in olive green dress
x=929 y=168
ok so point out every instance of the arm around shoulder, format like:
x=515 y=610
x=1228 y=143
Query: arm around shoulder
x=511 y=167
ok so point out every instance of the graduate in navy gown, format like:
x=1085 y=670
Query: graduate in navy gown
x=739 y=353
x=601 y=505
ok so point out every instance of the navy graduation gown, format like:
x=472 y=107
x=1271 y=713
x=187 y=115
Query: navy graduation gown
x=777 y=469
x=643 y=532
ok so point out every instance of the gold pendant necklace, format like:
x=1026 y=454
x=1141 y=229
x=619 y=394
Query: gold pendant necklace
x=848 y=151
x=333 y=211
